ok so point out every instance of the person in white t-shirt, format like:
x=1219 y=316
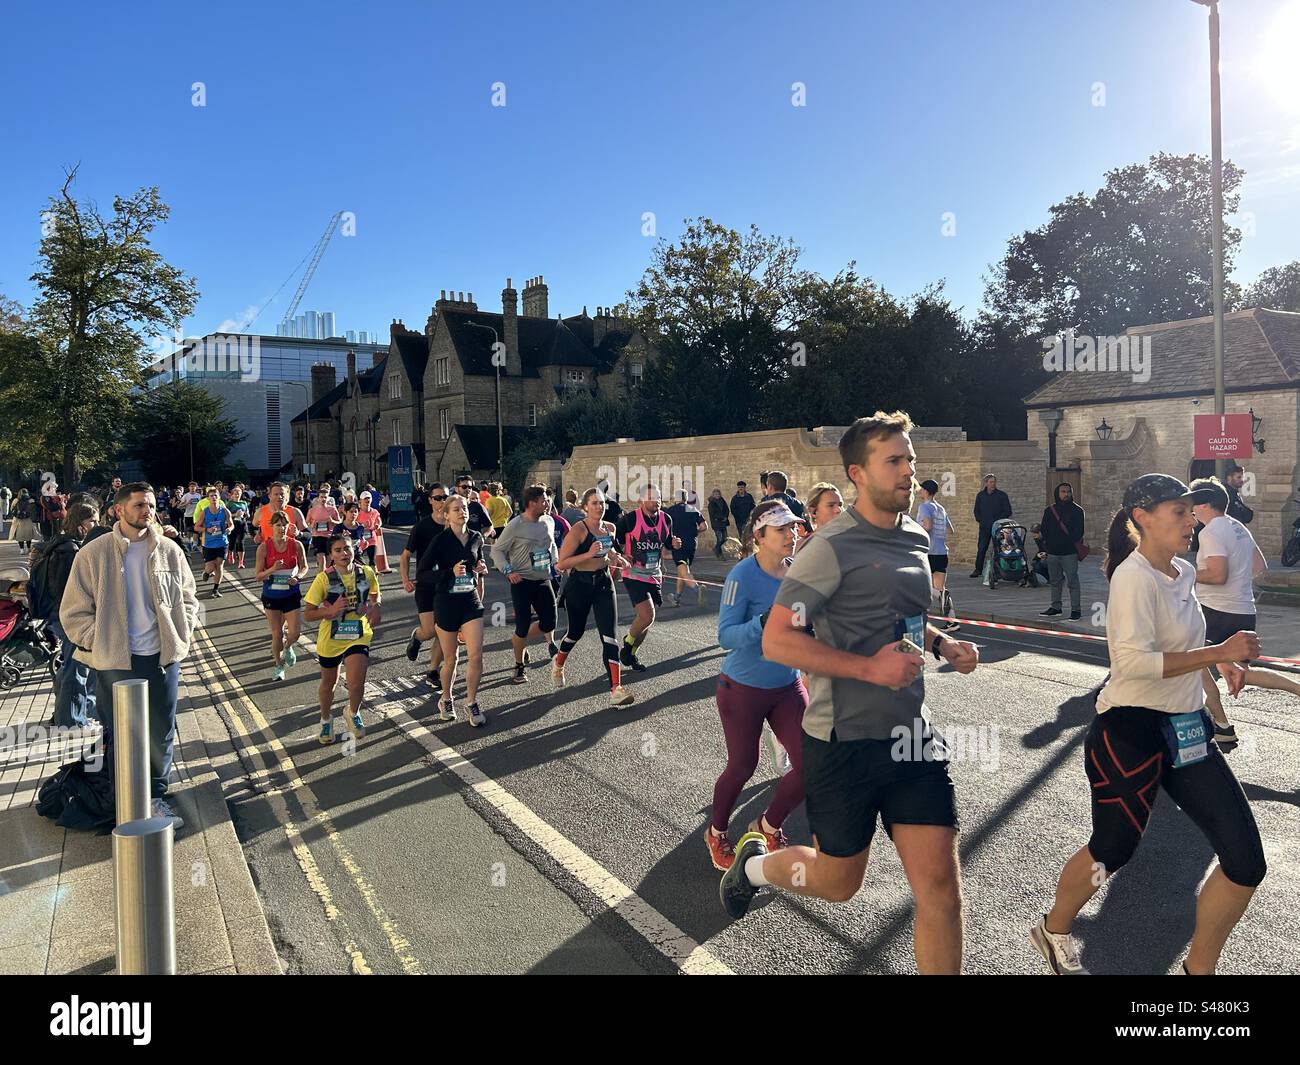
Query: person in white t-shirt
x=1227 y=563
x=1151 y=732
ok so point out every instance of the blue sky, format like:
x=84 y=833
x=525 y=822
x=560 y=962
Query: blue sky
x=914 y=108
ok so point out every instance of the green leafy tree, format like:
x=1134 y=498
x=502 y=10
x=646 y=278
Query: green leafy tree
x=160 y=428
x=1277 y=288
x=715 y=306
x=1136 y=251
x=517 y=463
x=584 y=419
x=102 y=289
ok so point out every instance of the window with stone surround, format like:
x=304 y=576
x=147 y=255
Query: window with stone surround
x=444 y=423
x=635 y=371
x=395 y=387
x=442 y=371
x=532 y=415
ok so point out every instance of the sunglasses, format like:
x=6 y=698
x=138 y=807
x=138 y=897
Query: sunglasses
x=439 y=499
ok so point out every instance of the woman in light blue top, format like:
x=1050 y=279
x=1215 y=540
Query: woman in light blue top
x=752 y=689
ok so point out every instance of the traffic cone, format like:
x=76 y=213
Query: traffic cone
x=381 y=554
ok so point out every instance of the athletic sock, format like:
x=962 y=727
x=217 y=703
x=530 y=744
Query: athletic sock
x=613 y=675
x=754 y=871
x=628 y=641
x=561 y=658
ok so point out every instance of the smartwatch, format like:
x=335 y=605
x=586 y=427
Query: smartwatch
x=934 y=648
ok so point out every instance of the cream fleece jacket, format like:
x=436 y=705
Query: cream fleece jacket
x=93 y=612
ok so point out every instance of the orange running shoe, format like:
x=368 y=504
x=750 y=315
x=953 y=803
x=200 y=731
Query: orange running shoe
x=775 y=840
x=720 y=850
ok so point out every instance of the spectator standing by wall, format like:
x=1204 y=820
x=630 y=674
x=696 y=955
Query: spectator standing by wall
x=991 y=504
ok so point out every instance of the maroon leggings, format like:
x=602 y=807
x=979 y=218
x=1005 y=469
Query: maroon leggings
x=743 y=710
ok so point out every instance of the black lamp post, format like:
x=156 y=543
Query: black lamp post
x=1104 y=431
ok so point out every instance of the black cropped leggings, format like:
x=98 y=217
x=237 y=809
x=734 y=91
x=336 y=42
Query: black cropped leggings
x=1127 y=759
x=584 y=593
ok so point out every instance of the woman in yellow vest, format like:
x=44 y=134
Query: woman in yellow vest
x=345 y=600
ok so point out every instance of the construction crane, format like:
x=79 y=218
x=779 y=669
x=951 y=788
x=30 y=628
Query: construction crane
x=286 y=322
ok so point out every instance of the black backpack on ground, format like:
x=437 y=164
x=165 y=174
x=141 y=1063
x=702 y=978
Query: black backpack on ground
x=73 y=798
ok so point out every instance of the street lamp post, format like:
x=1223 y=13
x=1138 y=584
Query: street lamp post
x=1216 y=221
x=306 y=422
x=189 y=425
x=495 y=342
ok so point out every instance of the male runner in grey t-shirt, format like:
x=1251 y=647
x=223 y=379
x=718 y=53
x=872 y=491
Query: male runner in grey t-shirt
x=525 y=552
x=863 y=585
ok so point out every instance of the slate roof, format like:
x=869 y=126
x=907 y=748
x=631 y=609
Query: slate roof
x=542 y=342
x=413 y=349
x=1261 y=349
x=480 y=442
x=321 y=408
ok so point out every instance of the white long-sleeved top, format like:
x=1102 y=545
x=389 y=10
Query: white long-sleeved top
x=1150 y=613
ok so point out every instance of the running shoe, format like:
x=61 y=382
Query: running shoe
x=217 y=591
x=620 y=696
x=1060 y=951
x=446 y=712
x=1075 y=615
x=326 y=732
x=677 y=599
x=290 y=657
x=476 y=716
x=357 y=724
x=413 y=645
x=435 y=680
x=775 y=840
x=1226 y=738
x=627 y=657
x=1050 y=612
x=558 y=680
x=735 y=890
x=519 y=677
x=278 y=674
x=721 y=852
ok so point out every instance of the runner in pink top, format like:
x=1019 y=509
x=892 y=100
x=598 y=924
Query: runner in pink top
x=321 y=519
x=369 y=517
x=644 y=534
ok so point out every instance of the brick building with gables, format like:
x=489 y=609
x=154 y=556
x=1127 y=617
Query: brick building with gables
x=439 y=390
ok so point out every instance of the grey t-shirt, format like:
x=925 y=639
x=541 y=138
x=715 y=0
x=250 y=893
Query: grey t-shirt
x=528 y=547
x=858 y=586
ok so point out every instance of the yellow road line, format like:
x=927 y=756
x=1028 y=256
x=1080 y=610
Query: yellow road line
x=232 y=693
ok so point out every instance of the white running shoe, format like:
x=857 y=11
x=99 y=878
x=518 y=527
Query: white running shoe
x=1060 y=951
x=620 y=696
x=558 y=679
x=476 y=716
x=446 y=712
x=278 y=674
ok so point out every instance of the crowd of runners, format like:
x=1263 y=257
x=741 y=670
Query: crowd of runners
x=826 y=622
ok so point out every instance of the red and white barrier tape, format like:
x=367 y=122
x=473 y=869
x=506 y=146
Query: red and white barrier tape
x=1086 y=636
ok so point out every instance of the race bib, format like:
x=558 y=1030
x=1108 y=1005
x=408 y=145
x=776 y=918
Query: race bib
x=280 y=581
x=460 y=585
x=322 y=527
x=604 y=543
x=913 y=628
x=1188 y=738
x=652 y=558
x=348 y=630
x=542 y=559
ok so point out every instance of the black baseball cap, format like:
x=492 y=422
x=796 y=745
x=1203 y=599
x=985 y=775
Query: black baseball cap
x=1152 y=489
x=741 y=484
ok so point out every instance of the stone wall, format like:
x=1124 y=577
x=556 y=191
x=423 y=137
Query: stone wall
x=808 y=456
x=1155 y=436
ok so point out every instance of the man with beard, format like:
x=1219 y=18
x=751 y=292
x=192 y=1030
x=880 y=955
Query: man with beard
x=643 y=534
x=1062 y=529
x=863 y=585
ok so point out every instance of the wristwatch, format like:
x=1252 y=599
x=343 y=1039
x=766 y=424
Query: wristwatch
x=934 y=648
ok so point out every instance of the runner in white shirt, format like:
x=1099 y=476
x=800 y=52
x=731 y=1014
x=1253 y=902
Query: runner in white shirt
x=1227 y=563
x=1151 y=732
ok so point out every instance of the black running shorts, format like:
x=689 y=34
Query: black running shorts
x=640 y=591
x=848 y=783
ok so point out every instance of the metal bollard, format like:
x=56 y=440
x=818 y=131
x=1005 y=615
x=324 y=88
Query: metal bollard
x=146 y=901
x=131 y=749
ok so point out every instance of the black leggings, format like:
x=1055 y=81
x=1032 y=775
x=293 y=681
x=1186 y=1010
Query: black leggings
x=1127 y=759
x=237 y=540
x=583 y=593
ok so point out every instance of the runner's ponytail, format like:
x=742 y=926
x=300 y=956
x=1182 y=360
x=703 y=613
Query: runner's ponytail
x=1121 y=539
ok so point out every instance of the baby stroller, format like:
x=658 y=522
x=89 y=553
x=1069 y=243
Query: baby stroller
x=24 y=642
x=1009 y=562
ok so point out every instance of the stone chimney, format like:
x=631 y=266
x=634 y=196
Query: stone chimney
x=323 y=378
x=514 y=366
x=535 y=303
x=600 y=326
x=352 y=373
x=455 y=301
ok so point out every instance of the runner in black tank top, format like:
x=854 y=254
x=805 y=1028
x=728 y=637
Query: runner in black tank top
x=588 y=555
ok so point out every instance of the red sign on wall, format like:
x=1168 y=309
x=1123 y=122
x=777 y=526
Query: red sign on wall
x=1222 y=436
